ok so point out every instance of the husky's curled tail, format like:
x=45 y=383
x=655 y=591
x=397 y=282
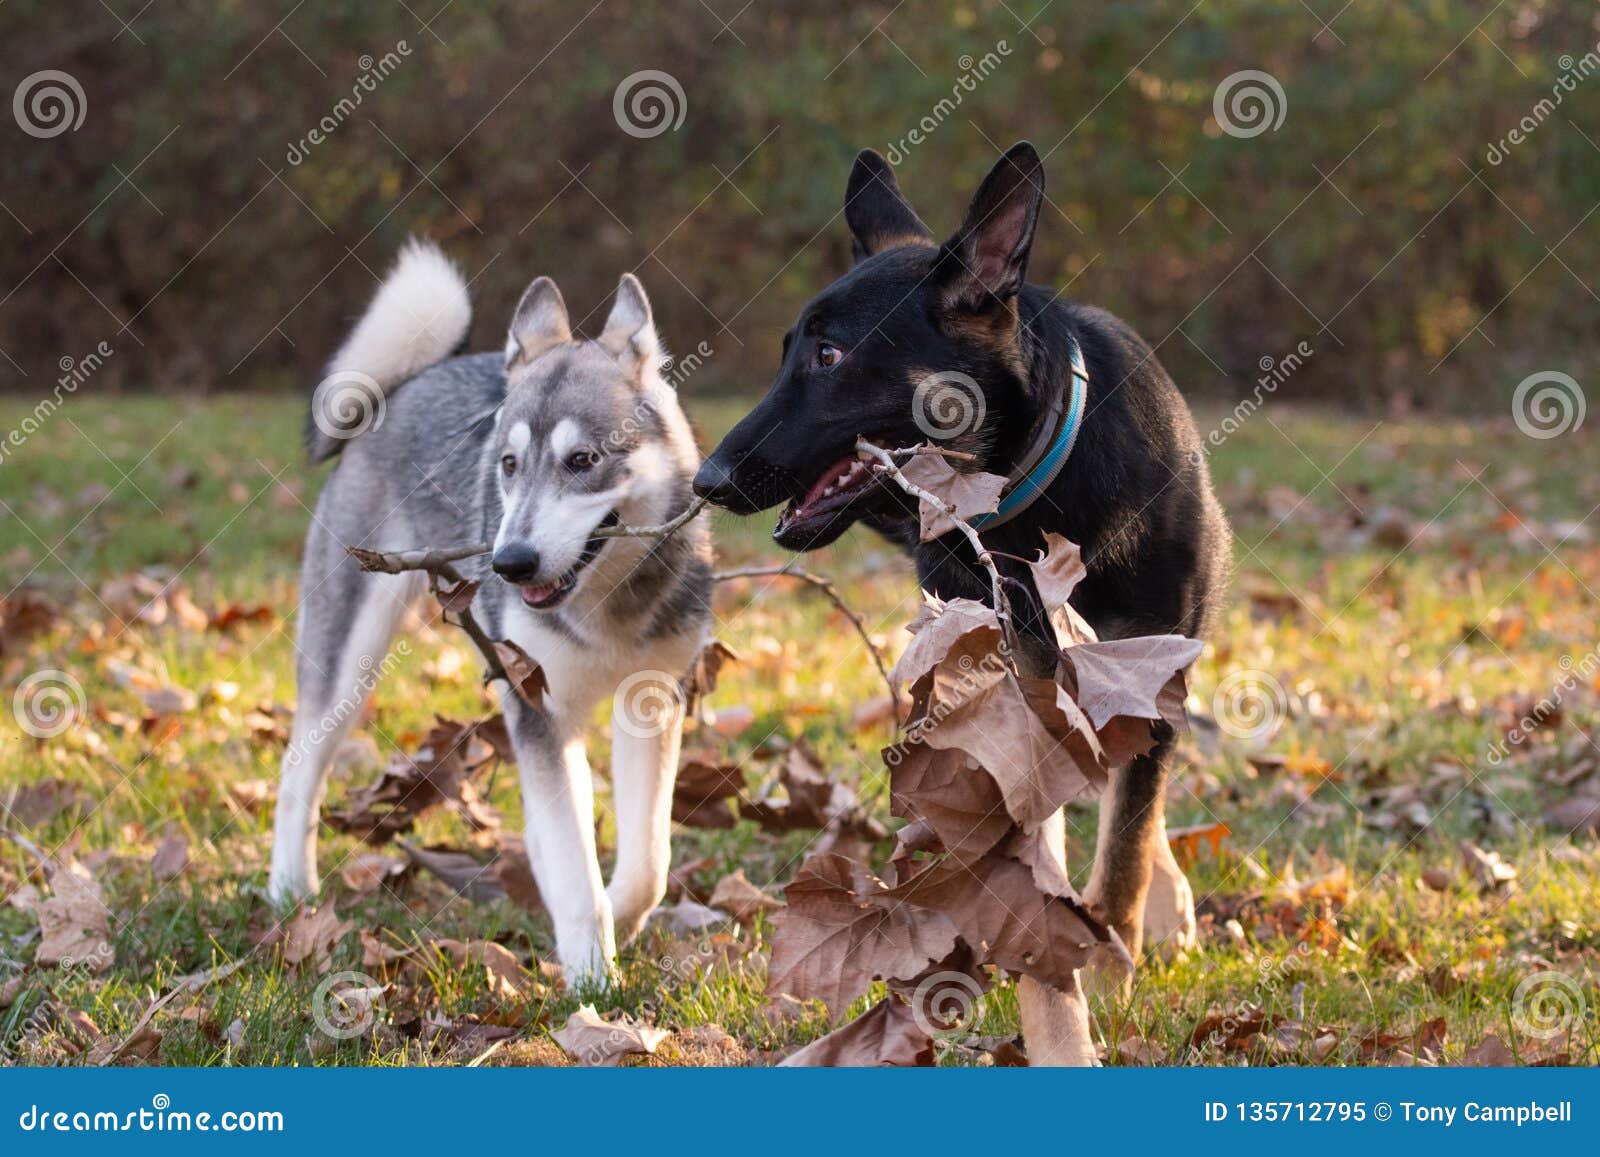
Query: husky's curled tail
x=419 y=316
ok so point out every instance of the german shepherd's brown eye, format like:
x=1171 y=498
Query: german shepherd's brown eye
x=508 y=464
x=829 y=355
x=580 y=460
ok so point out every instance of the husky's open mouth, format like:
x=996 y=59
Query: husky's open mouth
x=844 y=491
x=547 y=596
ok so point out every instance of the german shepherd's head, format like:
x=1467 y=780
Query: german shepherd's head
x=919 y=342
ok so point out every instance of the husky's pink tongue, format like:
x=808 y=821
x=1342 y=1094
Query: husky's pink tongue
x=539 y=595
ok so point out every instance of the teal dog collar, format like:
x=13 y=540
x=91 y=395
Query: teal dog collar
x=1041 y=468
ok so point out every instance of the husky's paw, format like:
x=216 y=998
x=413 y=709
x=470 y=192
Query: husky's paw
x=287 y=885
x=1169 y=924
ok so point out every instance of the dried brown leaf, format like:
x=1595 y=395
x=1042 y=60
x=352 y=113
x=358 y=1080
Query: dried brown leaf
x=590 y=1039
x=842 y=930
x=968 y=494
x=74 y=923
x=887 y=1034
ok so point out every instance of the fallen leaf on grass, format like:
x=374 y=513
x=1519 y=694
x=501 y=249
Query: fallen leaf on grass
x=439 y=772
x=36 y=804
x=24 y=614
x=469 y=877
x=1577 y=815
x=738 y=896
x=507 y=979
x=887 y=1034
x=74 y=922
x=252 y=795
x=1490 y=1052
x=702 y=791
x=514 y=873
x=369 y=872
x=310 y=935
x=592 y=1040
x=171 y=857
x=1437 y=879
x=1491 y=871
x=687 y=916
x=1185 y=842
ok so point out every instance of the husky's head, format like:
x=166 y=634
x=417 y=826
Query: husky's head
x=589 y=437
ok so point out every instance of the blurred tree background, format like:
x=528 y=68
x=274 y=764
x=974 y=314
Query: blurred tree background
x=193 y=224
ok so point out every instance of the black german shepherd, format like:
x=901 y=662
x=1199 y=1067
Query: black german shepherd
x=1134 y=491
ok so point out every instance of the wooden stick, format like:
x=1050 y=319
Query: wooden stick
x=886 y=465
x=432 y=559
x=826 y=586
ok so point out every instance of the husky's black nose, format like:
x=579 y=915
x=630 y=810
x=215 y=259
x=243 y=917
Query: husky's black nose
x=516 y=562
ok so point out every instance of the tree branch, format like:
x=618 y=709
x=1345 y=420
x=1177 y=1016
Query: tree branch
x=826 y=586
x=435 y=559
x=886 y=466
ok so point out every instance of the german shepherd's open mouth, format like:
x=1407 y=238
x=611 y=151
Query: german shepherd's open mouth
x=846 y=490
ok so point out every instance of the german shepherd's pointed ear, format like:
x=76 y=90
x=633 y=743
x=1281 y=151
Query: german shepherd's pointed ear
x=539 y=323
x=987 y=259
x=877 y=212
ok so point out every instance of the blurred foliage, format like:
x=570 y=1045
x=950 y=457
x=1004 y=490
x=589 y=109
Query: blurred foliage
x=1372 y=209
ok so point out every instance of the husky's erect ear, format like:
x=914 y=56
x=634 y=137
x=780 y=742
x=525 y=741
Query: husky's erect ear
x=539 y=323
x=877 y=212
x=987 y=260
x=630 y=332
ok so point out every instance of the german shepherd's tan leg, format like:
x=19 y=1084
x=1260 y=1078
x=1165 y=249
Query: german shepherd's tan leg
x=1169 y=923
x=1132 y=826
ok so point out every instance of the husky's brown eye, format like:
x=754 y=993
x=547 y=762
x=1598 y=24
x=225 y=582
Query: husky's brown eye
x=509 y=464
x=829 y=355
x=580 y=460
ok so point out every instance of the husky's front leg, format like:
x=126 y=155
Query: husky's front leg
x=646 y=732
x=558 y=827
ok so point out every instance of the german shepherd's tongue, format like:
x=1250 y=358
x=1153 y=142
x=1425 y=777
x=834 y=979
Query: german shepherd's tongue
x=838 y=485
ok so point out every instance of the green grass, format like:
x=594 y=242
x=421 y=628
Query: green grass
x=1401 y=659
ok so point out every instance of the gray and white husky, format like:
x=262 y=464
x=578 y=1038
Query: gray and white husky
x=534 y=449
